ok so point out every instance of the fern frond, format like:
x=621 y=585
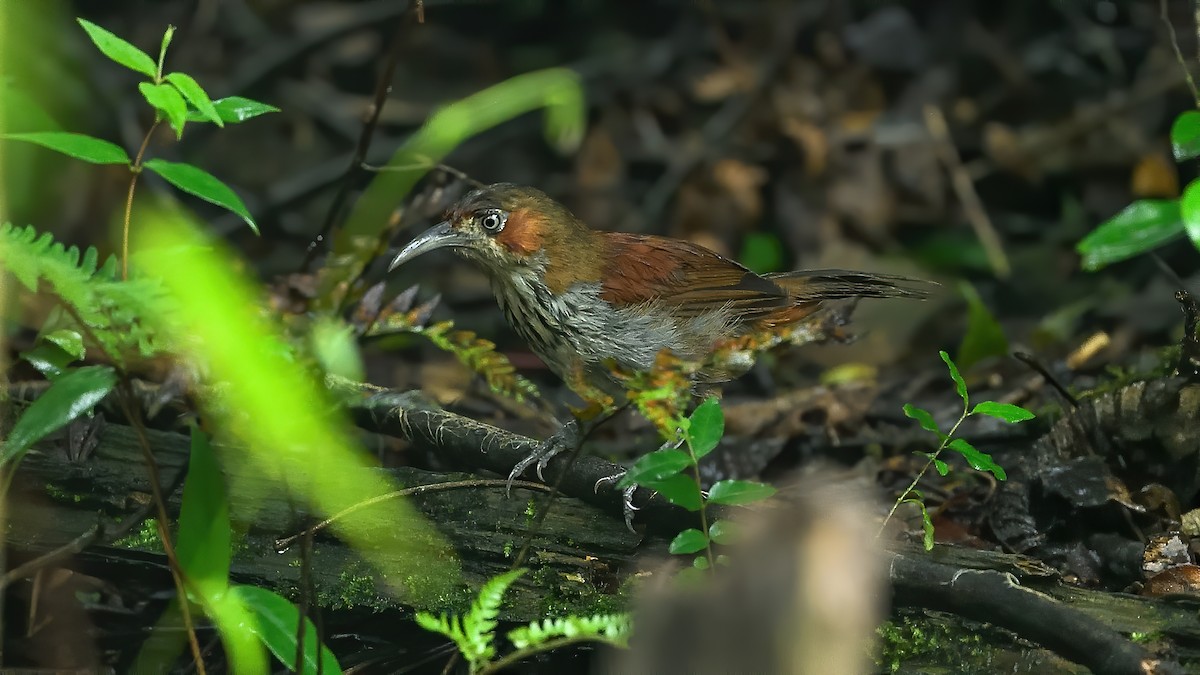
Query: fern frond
x=613 y=629
x=111 y=308
x=475 y=632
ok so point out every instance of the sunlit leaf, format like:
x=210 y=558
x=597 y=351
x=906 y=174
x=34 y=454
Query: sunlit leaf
x=55 y=351
x=688 y=541
x=68 y=397
x=79 y=146
x=167 y=100
x=195 y=95
x=234 y=109
x=196 y=181
x=734 y=492
x=1189 y=207
x=1005 y=411
x=203 y=547
x=1185 y=135
x=119 y=50
x=706 y=427
x=1142 y=226
x=980 y=461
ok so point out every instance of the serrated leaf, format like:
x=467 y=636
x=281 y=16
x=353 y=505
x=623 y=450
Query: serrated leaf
x=1142 y=226
x=1004 y=411
x=119 y=50
x=67 y=398
x=196 y=95
x=655 y=466
x=923 y=418
x=688 y=541
x=706 y=426
x=167 y=100
x=234 y=109
x=959 y=385
x=723 y=532
x=276 y=624
x=204 y=543
x=1189 y=208
x=679 y=489
x=733 y=492
x=980 y=461
x=198 y=182
x=1185 y=136
x=79 y=146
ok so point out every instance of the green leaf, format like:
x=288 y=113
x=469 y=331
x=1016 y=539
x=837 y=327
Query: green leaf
x=166 y=100
x=1143 y=225
x=1185 y=135
x=926 y=523
x=234 y=109
x=762 y=252
x=941 y=467
x=236 y=624
x=1005 y=411
x=688 y=541
x=700 y=563
x=923 y=418
x=1189 y=207
x=198 y=182
x=196 y=95
x=980 y=461
x=723 y=532
x=68 y=397
x=277 y=621
x=119 y=50
x=55 y=351
x=79 y=146
x=984 y=337
x=162 y=51
x=734 y=492
x=679 y=489
x=204 y=544
x=959 y=385
x=336 y=349
x=656 y=466
x=706 y=426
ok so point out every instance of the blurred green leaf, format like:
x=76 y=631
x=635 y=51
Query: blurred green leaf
x=688 y=541
x=336 y=349
x=79 y=146
x=196 y=95
x=1185 y=135
x=679 y=489
x=1005 y=411
x=68 y=397
x=1189 y=207
x=959 y=385
x=762 y=252
x=1142 y=226
x=707 y=425
x=656 y=466
x=277 y=621
x=196 y=181
x=119 y=50
x=723 y=532
x=926 y=523
x=980 y=461
x=203 y=546
x=735 y=492
x=167 y=100
x=234 y=109
x=984 y=336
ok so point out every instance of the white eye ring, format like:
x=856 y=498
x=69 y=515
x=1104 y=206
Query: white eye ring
x=492 y=221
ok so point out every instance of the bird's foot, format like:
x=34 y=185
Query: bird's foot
x=627 y=506
x=566 y=438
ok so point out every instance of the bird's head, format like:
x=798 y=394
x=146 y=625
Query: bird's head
x=502 y=227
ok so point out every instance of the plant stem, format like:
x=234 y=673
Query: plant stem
x=921 y=474
x=703 y=513
x=135 y=170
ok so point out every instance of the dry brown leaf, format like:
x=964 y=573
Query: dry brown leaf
x=723 y=82
x=743 y=182
x=812 y=141
x=1154 y=177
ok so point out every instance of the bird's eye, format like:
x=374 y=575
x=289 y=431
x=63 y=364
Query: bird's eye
x=492 y=221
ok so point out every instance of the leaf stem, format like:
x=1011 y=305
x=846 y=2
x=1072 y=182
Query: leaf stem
x=135 y=170
x=921 y=474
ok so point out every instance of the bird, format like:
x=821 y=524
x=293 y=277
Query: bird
x=593 y=303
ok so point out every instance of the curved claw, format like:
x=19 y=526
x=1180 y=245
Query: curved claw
x=607 y=479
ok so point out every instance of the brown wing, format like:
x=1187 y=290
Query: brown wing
x=695 y=280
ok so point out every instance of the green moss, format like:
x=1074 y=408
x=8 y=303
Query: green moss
x=144 y=538
x=60 y=495
x=926 y=642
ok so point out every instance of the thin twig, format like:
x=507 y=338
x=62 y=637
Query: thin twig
x=1187 y=74
x=135 y=170
x=935 y=121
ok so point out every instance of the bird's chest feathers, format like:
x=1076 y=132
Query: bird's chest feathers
x=577 y=325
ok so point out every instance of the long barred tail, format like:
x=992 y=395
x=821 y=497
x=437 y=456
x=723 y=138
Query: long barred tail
x=817 y=285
